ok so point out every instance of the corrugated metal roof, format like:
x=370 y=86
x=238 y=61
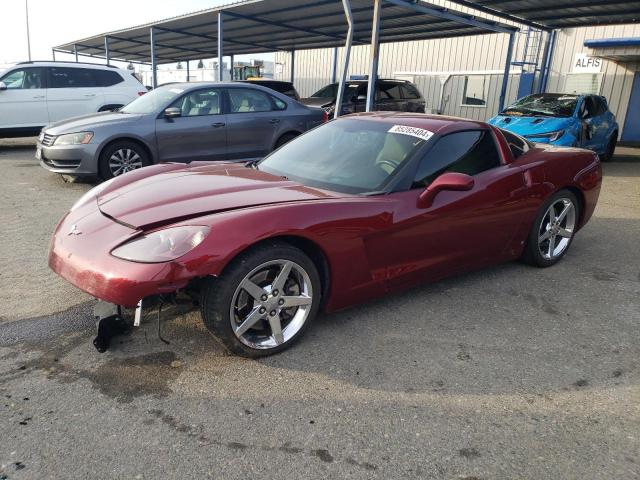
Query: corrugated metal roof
x=551 y=14
x=256 y=26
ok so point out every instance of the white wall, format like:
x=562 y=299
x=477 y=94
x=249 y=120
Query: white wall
x=617 y=78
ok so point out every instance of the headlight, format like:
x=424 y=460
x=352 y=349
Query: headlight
x=94 y=192
x=79 y=138
x=551 y=136
x=163 y=245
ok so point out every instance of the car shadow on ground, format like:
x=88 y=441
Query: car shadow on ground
x=507 y=330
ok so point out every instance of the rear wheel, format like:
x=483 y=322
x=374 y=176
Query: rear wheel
x=122 y=157
x=286 y=138
x=264 y=300
x=553 y=230
x=611 y=148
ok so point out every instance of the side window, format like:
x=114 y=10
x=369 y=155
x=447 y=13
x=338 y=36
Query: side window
x=280 y=105
x=410 y=92
x=589 y=107
x=518 y=145
x=475 y=91
x=469 y=152
x=390 y=91
x=245 y=100
x=27 y=78
x=199 y=103
x=601 y=105
x=70 y=78
x=106 y=78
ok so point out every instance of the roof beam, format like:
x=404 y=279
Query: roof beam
x=170 y=47
x=210 y=37
x=497 y=13
x=445 y=13
x=284 y=25
x=601 y=3
x=617 y=14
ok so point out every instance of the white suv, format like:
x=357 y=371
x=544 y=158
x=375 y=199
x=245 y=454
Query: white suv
x=36 y=94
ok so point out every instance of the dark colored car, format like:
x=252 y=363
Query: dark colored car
x=391 y=95
x=181 y=122
x=360 y=207
x=286 y=88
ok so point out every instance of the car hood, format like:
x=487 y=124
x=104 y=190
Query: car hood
x=316 y=102
x=192 y=191
x=531 y=125
x=90 y=121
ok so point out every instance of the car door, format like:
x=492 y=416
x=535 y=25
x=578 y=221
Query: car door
x=461 y=230
x=72 y=92
x=253 y=121
x=23 y=104
x=199 y=133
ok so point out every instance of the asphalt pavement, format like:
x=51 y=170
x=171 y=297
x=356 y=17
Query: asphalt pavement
x=507 y=373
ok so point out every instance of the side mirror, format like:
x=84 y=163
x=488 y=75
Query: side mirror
x=451 y=181
x=172 y=112
x=3 y=86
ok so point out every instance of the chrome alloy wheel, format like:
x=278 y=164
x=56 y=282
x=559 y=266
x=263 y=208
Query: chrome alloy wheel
x=557 y=228
x=271 y=304
x=124 y=160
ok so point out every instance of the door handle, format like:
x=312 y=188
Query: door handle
x=89 y=94
x=274 y=120
x=218 y=124
x=39 y=96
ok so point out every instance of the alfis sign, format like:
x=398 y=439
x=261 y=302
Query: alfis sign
x=584 y=63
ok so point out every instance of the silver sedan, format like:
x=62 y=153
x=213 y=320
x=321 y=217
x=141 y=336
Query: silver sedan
x=181 y=122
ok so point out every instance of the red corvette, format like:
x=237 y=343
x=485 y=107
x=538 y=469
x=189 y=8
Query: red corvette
x=359 y=207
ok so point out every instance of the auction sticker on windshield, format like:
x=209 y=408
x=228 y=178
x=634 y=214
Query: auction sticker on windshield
x=413 y=131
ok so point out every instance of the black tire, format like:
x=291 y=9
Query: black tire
x=611 y=148
x=286 y=138
x=218 y=294
x=104 y=168
x=532 y=252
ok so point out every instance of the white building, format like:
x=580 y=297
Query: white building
x=449 y=71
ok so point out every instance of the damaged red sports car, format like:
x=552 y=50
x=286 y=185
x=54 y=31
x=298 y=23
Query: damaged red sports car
x=359 y=207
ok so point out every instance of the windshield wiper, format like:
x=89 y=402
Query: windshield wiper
x=252 y=164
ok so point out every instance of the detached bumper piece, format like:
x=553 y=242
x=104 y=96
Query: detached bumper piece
x=108 y=328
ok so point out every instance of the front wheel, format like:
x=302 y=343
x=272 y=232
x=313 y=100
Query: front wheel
x=122 y=157
x=263 y=301
x=553 y=230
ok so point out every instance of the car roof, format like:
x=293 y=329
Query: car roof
x=265 y=80
x=51 y=63
x=434 y=123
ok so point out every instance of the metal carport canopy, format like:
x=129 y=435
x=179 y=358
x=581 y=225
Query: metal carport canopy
x=258 y=26
x=554 y=14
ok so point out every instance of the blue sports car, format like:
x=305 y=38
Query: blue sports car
x=564 y=120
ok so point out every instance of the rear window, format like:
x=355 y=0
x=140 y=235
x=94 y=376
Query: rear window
x=389 y=91
x=107 y=78
x=410 y=92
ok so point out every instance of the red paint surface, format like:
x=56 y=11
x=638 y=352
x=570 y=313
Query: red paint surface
x=372 y=245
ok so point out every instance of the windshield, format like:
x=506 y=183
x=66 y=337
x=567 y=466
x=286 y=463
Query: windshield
x=347 y=155
x=331 y=91
x=153 y=101
x=543 y=105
